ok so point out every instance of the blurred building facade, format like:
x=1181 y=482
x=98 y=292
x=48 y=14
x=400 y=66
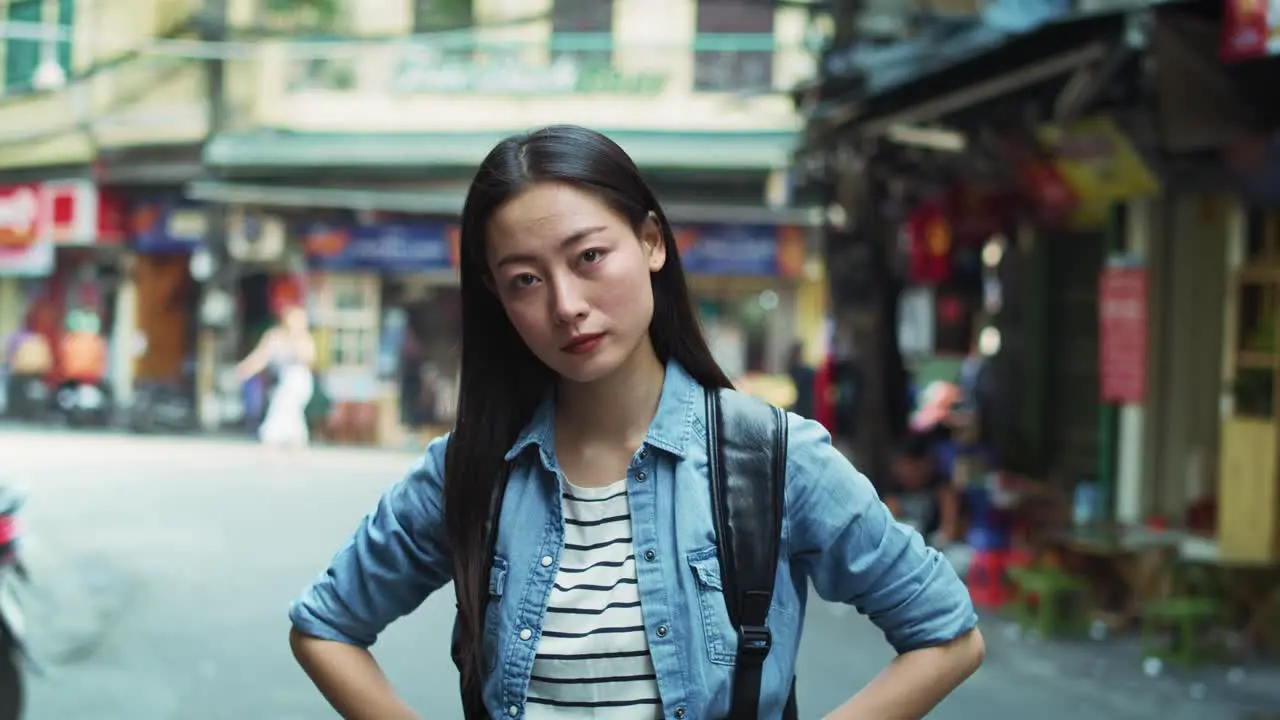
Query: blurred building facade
x=322 y=149
x=94 y=124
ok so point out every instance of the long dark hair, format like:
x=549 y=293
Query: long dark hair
x=502 y=381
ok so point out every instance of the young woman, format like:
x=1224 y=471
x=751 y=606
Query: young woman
x=581 y=394
x=290 y=351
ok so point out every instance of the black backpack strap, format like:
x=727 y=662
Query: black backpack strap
x=747 y=453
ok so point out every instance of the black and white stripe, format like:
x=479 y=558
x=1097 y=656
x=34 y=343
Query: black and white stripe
x=593 y=658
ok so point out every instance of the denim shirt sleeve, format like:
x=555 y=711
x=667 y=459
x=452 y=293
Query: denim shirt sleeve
x=396 y=558
x=854 y=552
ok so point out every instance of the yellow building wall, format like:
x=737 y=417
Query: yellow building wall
x=653 y=36
x=154 y=99
x=812 y=310
x=146 y=100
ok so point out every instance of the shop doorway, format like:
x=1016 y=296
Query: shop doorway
x=427 y=351
x=256 y=316
x=166 y=301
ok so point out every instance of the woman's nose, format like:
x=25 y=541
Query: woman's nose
x=569 y=302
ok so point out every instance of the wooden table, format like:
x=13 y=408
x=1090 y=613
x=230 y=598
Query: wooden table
x=1133 y=565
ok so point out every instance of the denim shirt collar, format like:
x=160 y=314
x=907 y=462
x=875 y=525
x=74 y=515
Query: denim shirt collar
x=669 y=431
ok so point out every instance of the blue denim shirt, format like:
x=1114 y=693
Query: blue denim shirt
x=836 y=535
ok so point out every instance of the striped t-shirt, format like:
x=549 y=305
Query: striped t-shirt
x=593 y=659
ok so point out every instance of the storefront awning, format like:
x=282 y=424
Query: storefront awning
x=652 y=150
x=448 y=202
x=973 y=67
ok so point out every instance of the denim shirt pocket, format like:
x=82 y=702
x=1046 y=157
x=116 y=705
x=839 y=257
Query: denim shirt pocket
x=493 y=612
x=716 y=627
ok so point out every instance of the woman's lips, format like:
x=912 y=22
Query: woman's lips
x=583 y=344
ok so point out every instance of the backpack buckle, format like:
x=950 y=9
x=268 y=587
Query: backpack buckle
x=754 y=640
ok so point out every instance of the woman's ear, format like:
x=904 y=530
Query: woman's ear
x=654 y=244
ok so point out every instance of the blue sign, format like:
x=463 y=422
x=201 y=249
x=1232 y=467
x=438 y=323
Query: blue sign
x=384 y=247
x=741 y=250
x=167 y=227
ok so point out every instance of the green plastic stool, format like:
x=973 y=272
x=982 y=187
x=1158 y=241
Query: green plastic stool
x=1188 y=616
x=1052 y=589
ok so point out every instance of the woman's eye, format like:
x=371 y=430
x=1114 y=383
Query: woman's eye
x=592 y=256
x=523 y=280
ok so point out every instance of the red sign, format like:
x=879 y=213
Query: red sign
x=1247 y=30
x=1122 y=334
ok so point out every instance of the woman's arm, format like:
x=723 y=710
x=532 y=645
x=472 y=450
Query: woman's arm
x=397 y=557
x=256 y=361
x=915 y=682
x=949 y=513
x=845 y=539
x=349 y=678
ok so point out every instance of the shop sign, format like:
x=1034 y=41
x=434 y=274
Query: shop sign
x=167 y=227
x=80 y=213
x=1100 y=164
x=385 y=248
x=1250 y=29
x=426 y=70
x=25 y=249
x=1122 y=333
x=741 y=250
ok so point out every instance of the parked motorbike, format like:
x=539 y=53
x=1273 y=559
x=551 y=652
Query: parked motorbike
x=27 y=398
x=83 y=404
x=12 y=572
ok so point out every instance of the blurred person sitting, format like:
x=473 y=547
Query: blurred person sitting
x=919 y=495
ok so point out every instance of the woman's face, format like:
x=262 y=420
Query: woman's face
x=573 y=278
x=294 y=319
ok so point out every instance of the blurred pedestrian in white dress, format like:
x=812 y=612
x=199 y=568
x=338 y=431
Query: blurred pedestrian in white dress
x=290 y=351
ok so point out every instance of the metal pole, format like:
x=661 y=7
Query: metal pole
x=216 y=344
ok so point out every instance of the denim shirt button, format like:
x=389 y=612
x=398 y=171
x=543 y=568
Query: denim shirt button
x=662 y=631
x=525 y=634
x=680 y=713
x=514 y=710
x=640 y=476
x=644 y=453
x=650 y=555
x=546 y=561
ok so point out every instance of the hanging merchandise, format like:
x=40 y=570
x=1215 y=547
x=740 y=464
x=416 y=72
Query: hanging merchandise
x=929 y=243
x=1049 y=198
x=953 y=313
x=1250 y=30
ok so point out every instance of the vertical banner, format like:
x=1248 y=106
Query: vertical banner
x=1122 y=334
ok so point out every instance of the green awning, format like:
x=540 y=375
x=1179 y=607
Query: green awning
x=447 y=201
x=760 y=151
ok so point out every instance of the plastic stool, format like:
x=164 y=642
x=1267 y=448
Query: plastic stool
x=986 y=579
x=1043 y=598
x=1188 y=617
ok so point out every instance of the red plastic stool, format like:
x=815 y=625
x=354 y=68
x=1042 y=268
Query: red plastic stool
x=1019 y=558
x=988 y=584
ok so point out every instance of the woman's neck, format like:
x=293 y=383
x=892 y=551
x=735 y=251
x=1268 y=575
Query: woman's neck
x=618 y=407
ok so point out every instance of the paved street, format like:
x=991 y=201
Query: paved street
x=166 y=567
